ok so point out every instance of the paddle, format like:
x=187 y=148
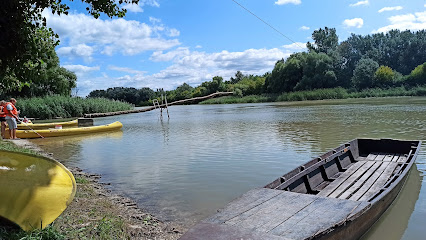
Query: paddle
x=27 y=125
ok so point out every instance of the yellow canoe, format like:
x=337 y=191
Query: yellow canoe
x=26 y=126
x=34 y=190
x=66 y=131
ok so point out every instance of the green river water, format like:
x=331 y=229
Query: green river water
x=185 y=168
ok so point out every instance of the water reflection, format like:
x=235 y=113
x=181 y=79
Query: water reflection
x=205 y=156
x=394 y=221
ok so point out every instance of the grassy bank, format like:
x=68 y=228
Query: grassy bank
x=320 y=94
x=67 y=107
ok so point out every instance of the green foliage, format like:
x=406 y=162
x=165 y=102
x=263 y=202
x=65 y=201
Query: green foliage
x=66 y=107
x=318 y=94
x=317 y=72
x=364 y=73
x=237 y=99
x=24 y=37
x=418 y=75
x=130 y=95
x=384 y=77
x=326 y=40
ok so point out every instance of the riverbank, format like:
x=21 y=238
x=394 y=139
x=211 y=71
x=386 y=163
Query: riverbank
x=95 y=212
x=321 y=94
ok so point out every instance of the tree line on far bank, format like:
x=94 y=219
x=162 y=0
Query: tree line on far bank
x=383 y=60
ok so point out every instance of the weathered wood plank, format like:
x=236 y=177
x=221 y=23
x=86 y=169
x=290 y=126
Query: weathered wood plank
x=367 y=185
x=226 y=232
x=402 y=159
x=348 y=182
x=380 y=182
x=244 y=203
x=315 y=218
x=336 y=183
x=360 y=182
x=356 y=176
x=272 y=213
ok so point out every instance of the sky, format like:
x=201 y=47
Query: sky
x=165 y=43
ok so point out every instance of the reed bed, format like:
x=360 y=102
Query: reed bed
x=67 y=107
x=320 y=94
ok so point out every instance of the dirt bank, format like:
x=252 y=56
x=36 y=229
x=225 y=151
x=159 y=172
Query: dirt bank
x=98 y=213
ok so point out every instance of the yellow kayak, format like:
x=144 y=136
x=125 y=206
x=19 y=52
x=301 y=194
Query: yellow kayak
x=66 y=131
x=34 y=190
x=29 y=125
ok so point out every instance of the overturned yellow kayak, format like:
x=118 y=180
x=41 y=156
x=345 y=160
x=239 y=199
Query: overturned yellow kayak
x=34 y=190
x=66 y=131
x=29 y=125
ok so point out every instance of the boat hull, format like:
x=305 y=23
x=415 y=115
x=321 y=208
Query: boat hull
x=34 y=190
x=66 y=131
x=338 y=195
x=27 y=126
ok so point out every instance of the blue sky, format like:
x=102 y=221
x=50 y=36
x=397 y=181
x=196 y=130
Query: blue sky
x=164 y=43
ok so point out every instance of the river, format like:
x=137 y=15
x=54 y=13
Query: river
x=186 y=167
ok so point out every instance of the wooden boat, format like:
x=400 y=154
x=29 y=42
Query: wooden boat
x=29 y=125
x=66 y=131
x=338 y=195
x=34 y=190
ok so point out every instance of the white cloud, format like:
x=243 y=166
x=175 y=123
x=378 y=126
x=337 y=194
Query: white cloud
x=355 y=22
x=79 y=50
x=397 y=8
x=81 y=70
x=282 y=2
x=192 y=67
x=359 y=3
x=198 y=46
x=413 y=22
x=296 y=47
x=138 y=7
x=125 y=69
x=304 y=28
x=111 y=36
x=133 y=8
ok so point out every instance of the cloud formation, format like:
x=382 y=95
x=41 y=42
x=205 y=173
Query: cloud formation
x=108 y=37
x=304 y=28
x=397 y=8
x=192 y=67
x=360 y=3
x=413 y=22
x=354 y=22
x=282 y=2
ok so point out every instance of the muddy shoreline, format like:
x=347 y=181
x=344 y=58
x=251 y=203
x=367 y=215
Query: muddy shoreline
x=94 y=203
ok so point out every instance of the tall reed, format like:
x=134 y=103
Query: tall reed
x=66 y=107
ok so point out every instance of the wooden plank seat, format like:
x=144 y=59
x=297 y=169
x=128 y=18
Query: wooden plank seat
x=364 y=178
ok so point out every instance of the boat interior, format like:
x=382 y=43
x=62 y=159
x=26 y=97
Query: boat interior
x=359 y=170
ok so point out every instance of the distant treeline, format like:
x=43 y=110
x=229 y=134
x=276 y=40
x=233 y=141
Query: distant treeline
x=379 y=61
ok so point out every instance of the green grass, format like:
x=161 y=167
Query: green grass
x=8 y=146
x=67 y=107
x=49 y=233
x=236 y=99
x=320 y=94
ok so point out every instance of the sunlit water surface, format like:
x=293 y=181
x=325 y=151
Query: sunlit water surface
x=185 y=168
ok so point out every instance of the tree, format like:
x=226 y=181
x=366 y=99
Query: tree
x=20 y=20
x=325 y=39
x=364 y=73
x=317 y=72
x=418 y=75
x=384 y=77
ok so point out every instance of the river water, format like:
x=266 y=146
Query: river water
x=186 y=167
